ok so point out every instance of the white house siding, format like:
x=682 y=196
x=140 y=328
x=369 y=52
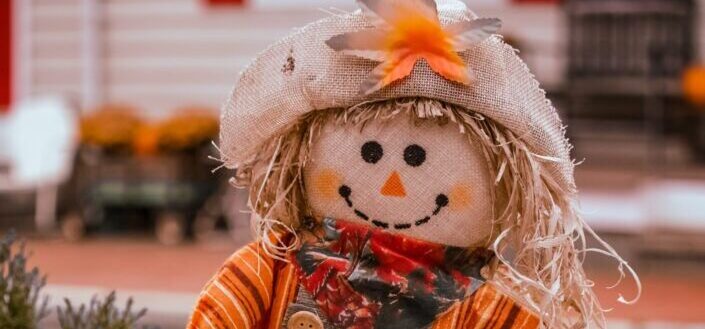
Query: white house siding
x=156 y=54
x=55 y=34
x=162 y=54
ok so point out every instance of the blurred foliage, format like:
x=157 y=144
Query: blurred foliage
x=146 y=140
x=20 y=306
x=110 y=127
x=113 y=127
x=100 y=314
x=188 y=128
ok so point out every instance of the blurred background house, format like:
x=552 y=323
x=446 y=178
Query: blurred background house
x=95 y=96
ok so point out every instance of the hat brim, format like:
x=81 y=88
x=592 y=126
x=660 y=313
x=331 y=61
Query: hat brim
x=300 y=74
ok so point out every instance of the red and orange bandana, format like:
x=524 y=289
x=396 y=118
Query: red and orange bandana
x=362 y=277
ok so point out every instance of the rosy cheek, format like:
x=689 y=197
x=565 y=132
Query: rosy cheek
x=326 y=183
x=460 y=197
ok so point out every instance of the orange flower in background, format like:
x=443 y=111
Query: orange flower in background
x=117 y=127
x=694 y=85
x=407 y=31
x=146 y=140
x=188 y=128
x=110 y=126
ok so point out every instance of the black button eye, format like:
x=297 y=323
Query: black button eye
x=371 y=152
x=414 y=155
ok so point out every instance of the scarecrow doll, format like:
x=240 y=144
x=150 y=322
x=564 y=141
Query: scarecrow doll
x=405 y=171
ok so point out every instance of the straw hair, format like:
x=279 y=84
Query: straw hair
x=539 y=237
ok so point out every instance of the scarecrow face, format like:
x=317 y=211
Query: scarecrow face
x=418 y=179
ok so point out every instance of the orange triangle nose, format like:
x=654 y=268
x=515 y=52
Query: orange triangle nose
x=393 y=186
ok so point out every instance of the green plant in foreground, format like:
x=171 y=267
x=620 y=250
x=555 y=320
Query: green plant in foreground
x=100 y=314
x=20 y=306
x=20 y=287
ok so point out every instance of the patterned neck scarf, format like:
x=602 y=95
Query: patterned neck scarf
x=363 y=277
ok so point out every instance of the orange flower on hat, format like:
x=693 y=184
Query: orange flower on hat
x=407 y=31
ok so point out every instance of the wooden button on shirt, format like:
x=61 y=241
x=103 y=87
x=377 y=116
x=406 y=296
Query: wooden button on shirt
x=304 y=320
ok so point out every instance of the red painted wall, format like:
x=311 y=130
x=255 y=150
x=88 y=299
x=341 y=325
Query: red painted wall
x=5 y=53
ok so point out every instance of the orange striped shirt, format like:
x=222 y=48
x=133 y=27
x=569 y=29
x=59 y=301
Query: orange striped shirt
x=252 y=290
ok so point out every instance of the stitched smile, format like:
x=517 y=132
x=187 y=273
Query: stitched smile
x=345 y=192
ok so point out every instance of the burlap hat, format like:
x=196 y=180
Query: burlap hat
x=300 y=74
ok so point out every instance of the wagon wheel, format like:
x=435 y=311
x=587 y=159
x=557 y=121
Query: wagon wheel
x=204 y=227
x=171 y=228
x=73 y=228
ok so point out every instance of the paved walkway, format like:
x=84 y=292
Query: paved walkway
x=167 y=280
